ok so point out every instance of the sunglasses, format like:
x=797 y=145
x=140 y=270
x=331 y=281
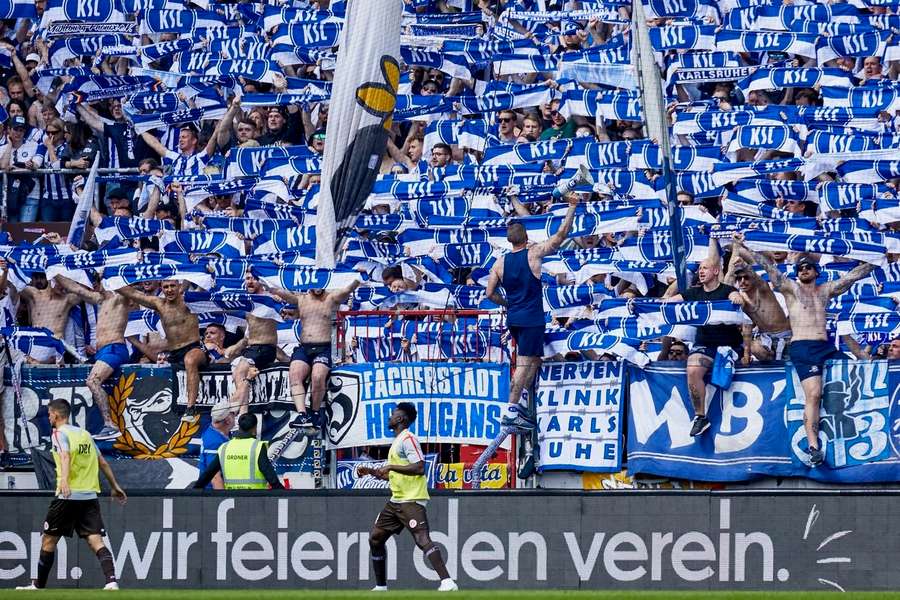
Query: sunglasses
x=742 y=277
x=554 y=113
x=805 y=267
x=506 y=119
x=53 y=131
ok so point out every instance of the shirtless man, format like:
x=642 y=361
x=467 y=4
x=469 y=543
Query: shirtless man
x=761 y=305
x=48 y=306
x=182 y=336
x=112 y=352
x=312 y=358
x=257 y=353
x=810 y=347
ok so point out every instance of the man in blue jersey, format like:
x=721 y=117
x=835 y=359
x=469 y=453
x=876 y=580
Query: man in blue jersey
x=519 y=273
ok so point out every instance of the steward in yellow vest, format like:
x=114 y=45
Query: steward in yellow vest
x=405 y=473
x=75 y=508
x=243 y=461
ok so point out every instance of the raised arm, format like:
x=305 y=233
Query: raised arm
x=73 y=287
x=90 y=116
x=552 y=245
x=141 y=298
x=154 y=143
x=836 y=288
x=281 y=293
x=779 y=281
x=341 y=296
x=715 y=255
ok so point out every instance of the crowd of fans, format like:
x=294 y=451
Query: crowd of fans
x=499 y=102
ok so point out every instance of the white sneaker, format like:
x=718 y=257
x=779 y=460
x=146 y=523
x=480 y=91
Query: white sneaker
x=112 y=585
x=380 y=588
x=30 y=586
x=448 y=585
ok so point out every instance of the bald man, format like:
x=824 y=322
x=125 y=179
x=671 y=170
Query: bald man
x=709 y=337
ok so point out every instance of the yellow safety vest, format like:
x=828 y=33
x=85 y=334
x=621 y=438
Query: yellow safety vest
x=83 y=466
x=239 y=459
x=405 y=488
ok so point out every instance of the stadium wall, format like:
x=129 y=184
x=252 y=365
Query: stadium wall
x=527 y=539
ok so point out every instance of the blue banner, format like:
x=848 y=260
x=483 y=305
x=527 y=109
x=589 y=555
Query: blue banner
x=348 y=479
x=757 y=424
x=457 y=403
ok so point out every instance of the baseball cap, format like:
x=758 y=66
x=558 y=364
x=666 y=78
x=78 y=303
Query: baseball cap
x=220 y=411
x=116 y=192
x=806 y=261
x=33 y=57
x=17 y=121
x=742 y=270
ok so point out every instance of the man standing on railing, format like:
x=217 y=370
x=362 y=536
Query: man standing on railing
x=312 y=358
x=519 y=272
x=112 y=352
x=258 y=349
x=182 y=330
x=810 y=347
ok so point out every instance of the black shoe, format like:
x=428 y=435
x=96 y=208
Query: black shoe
x=5 y=461
x=816 y=457
x=302 y=421
x=191 y=415
x=527 y=469
x=701 y=424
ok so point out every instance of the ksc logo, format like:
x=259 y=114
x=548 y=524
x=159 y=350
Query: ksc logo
x=343 y=404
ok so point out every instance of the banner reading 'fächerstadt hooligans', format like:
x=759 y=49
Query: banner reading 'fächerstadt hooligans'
x=579 y=411
x=457 y=403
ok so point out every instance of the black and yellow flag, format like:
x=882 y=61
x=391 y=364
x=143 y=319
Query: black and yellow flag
x=362 y=103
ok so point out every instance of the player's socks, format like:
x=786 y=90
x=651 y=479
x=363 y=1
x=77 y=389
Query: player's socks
x=45 y=564
x=107 y=564
x=379 y=565
x=434 y=557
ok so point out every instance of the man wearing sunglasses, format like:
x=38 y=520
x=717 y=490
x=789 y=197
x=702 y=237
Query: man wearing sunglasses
x=761 y=305
x=810 y=346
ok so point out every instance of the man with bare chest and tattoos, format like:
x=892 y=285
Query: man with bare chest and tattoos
x=810 y=347
x=182 y=330
x=112 y=352
x=48 y=306
x=258 y=352
x=312 y=358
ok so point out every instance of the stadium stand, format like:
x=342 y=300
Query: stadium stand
x=183 y=141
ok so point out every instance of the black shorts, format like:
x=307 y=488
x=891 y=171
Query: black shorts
x=711 y=351
x=176 y=357
x=261 y=355
x=79 y=516
x=313 y=354
x=395 y=516
x=529 y=340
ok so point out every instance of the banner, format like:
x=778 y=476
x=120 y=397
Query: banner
x=756 y=425
x=458 y=476
x=579 y=411
x=857 y=422
x=348 y=479
x=457 y=403
x=747 y=437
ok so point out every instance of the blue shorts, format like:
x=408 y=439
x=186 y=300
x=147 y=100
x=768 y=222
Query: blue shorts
x=115 y=355
x=529 y=340
x=809 y=356
x=313 y=354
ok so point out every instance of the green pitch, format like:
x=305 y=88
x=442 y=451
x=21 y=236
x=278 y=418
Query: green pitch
x=58 y=594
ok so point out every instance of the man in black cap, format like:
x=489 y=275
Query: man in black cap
x=760 y=304
x=810 y=346
x=243 y=461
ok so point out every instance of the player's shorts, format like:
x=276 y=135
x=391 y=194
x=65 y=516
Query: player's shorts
x=710 y=351
x=259 y=355
x=395 y=516
x=529 y=340
x=176 y=357
x=809 y=356
x=79 y=516
x=313 y=354
x=776 y=343
x=115 y=355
